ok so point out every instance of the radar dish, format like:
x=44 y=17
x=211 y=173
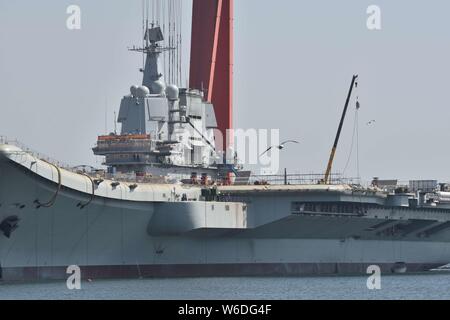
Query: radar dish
x=154 y=35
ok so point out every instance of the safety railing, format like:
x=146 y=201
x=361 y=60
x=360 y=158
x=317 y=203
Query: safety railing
x=38 y=155
x=289 y=179
x=301 y=179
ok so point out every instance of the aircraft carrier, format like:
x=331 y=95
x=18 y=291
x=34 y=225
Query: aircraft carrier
x=172 y=204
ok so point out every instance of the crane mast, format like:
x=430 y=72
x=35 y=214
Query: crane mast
x=326 y=180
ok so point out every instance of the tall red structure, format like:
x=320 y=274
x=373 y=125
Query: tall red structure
x=212 y=56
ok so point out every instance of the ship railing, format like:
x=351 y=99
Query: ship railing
x=290 y=179
x=133 y=178
x=35 y=154
x=300 y=179
x=123 y=146
x=88 y=170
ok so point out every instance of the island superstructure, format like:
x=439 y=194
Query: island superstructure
x=166 y=132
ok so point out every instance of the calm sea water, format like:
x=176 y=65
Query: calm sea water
x=429 y=286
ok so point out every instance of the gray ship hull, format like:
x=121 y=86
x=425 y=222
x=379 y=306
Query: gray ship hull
x=117 y=237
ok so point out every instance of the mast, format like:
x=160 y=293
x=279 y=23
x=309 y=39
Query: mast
x=153 y=68
x=326 y=180
x=154 y=77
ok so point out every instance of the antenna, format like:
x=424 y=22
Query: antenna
x=115 y=123
x=143 y=33
x=154 y=31
x=146 y=24
x=106 y=116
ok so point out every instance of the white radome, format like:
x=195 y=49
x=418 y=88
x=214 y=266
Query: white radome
x=158 y=87
x=142 y=92
x=172 y=92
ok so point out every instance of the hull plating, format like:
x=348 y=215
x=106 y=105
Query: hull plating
x=110 y=238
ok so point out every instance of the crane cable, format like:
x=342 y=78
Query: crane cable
x=52 y=201
x=83 y=205
x=358 y=107
x=352 y=144
x=355 y=138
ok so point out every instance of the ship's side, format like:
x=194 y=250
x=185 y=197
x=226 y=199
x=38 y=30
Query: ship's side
x=56 y=220
x=52 y=218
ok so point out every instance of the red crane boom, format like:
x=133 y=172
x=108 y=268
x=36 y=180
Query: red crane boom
x=211 y=66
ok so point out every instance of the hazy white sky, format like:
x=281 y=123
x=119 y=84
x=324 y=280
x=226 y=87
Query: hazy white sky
x=293 y=65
